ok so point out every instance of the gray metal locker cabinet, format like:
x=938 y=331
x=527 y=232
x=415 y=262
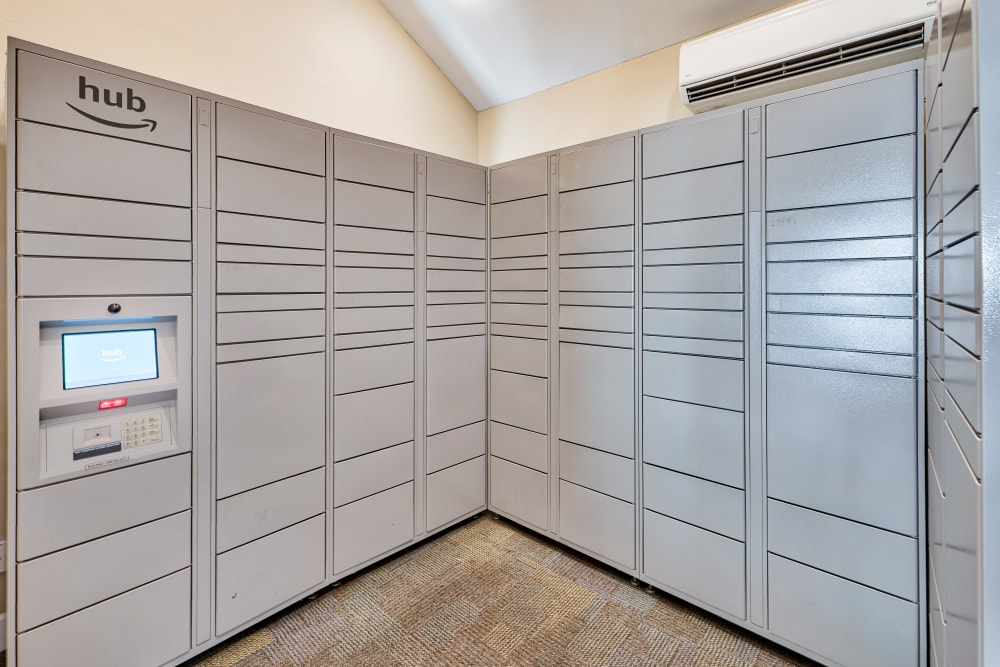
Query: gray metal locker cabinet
x=960 y=200
x=271 y=198
x=519 y=340
x=844 y=416
x=595 y=353
x=374 y=404
x=693 y=301
x=100 y=211
x=455 y=426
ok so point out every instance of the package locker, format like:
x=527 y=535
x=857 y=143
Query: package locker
x=957 y=332
x=693 y=360
x=271 y=386
x=101 y=534
x=349 y=283
x=375 y=396
x=595 y=279
x=519 y=341
x=842 y=375
x=455 y=428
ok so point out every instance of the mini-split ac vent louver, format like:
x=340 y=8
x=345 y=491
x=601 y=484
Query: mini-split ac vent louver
x=836 y=55
x=806 y=43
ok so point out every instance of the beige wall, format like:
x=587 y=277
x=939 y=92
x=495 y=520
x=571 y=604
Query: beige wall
x=623 y=98
x=343 y=63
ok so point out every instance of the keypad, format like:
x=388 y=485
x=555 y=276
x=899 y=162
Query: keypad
x=142 y=430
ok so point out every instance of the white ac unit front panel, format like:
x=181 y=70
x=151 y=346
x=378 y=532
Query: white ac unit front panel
x=810 y=27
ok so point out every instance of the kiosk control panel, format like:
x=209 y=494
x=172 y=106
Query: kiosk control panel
x=108 y=382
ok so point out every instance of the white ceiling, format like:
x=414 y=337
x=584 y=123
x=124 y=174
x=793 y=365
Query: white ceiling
x=495 y=51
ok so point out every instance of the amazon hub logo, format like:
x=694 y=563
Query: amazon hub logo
x=127 y=100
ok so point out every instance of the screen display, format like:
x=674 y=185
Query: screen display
x=108 y=357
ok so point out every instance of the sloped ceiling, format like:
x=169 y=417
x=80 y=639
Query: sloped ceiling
x=495 y=51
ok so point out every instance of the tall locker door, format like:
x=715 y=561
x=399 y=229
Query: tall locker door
x=455 y=371
x=596 y=350
x=693 y=298
x=271 y=362
x=519 y=340
x=100 y=532
x=843 y=351
x=374 y=245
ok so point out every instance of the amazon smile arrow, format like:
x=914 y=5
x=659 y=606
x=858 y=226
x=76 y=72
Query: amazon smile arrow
x=146 y=122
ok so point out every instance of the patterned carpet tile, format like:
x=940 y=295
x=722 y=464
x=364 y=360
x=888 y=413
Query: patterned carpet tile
x=489 y=594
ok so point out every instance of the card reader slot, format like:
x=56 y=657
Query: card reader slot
x=97 y=450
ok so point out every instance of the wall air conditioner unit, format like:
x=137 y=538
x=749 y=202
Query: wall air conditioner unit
x=806 y=43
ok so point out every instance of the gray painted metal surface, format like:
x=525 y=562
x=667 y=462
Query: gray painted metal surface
x=383 y=250
x=154 y=620
x=706 y=566
x=253 y=137
x=600 y=524
x=249 y=585
x=705 y=193
x=519 y=445
x=599 y=164
x=79 y=238
x=605 y=473
x=872 y=628
x=595 y=397
x=519 y=492
x=456 y=446
x=455 y=492
x=360 y=161
x=363 y=476
x=95 y=571
x=818 y=282
x=846 y=115
x=875 y=558
x=288 y=501
x=57 y=160
x=695 y=145
x=368 y=528
x=520 y=346
x=267 y=314
x=695 y=440
x=264 y=402
x=718 y=508
x=527 y=178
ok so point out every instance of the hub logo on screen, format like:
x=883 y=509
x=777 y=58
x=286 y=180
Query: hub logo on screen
x=91 y=94
x=112 y=355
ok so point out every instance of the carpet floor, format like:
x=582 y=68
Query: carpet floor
x=488 y=593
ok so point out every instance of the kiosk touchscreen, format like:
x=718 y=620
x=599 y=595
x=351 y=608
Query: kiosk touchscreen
x=95 y=358
x=111 y=384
